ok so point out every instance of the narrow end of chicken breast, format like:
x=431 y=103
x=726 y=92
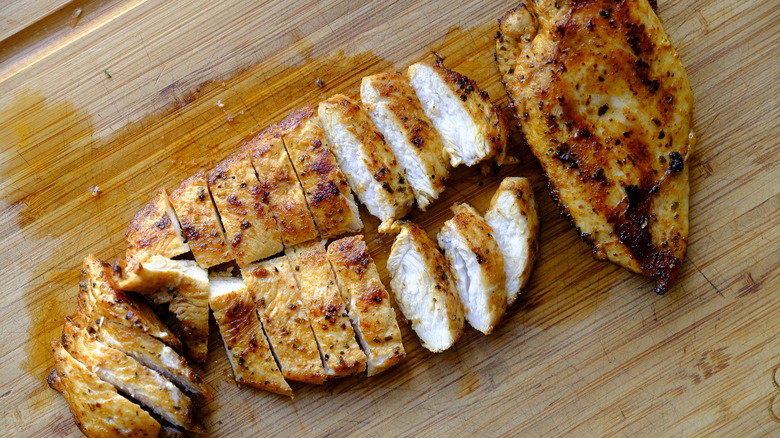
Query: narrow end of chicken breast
x=513 y=217
x=155 y=229
x=516 y=29
x=424 y=290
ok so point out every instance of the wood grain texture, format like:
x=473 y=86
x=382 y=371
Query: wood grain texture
x=141 y=94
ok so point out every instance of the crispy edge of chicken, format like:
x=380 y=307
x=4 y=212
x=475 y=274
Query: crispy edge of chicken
x=97 y=408
x=392 y=104
x=426 y=295
x=200 y=222
x=155 y=229
x=340 y=352
x=281 y=186
x=366 y=160
x=285 y=319
x=250 y=228
x=514 y=219
x=250 y=355
x=327 y=191
x=472 y=128
x=477 y=264
x=370 y=311
x=614 y=136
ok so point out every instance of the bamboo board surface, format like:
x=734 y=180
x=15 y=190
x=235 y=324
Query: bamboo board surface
x=124 y=96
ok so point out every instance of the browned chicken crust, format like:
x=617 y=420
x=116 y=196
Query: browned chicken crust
x=606 y=107
x=154 y=230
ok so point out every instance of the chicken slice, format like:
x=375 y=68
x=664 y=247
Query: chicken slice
x=477 y=265
x=146 y=386
x=155 y=229
x=251 y=358
x=366 y=160
x=200 y=221
x=471 y=127
x=512 y=216
x=606 y=107
x=424 y=289
x=393 y=107
x=370 y=311
x=98 y=410
x=250 y=227
x=327 y=190
x=281 y=187
x=340 y=353
x=515 y=29
x=154 y=354
x=285 y=319
x=184 y=286
x=99 y=299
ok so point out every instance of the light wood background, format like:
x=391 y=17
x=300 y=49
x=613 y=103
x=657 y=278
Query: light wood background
x=128 y=95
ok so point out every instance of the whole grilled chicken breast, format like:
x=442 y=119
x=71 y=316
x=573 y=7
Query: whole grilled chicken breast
x=606 y=107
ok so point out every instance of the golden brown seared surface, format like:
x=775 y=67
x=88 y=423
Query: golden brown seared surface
x=154 y=230
x=515 y=30
x=281 y=187
x=250 y=227
x=199 y=221
x=285 y=319
x=99 y=299
x=98 y=410
x=242 y=333
x=327 y=190
x=369 y=164
x=130 y=377
x=370 y=311
x=328 y=313
x=395 y=110
x=606 y=106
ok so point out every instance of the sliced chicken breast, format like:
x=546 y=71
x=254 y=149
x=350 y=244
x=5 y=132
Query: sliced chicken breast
x=146 y=386
x=367 y=161
x=250 y=227
x=471 y=127
x=370 y=311
x=285 y=319
x=250 y=356
x=184 y=286
x=424 y=289
x=280 y=187
x=200 y=222
x=340 y=353
x=513 y=217
x=154 y=354
x=155 y=229
x=327 y=190
x=393 y=107
x=515 y=30
x=98 y=410
x=477 y=264
x=100 y=300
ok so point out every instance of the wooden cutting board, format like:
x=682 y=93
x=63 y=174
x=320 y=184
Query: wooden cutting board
x=103 y=101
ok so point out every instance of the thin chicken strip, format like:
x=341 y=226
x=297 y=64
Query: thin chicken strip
x=512 y=216
x=281 y=188
x=285 y=319
x=370 y=311
x=327 y=190
x=130 y=377
x=471 y=127
x=99 y=299
x=366 y=160
x=184 y=286
x=242 y=333
x=200 y=222
x=250 y=227
x=423 y=287
x=478 y=266
x=340 y=353
x=155 y=229
x=98 y=410
x=393 y=107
